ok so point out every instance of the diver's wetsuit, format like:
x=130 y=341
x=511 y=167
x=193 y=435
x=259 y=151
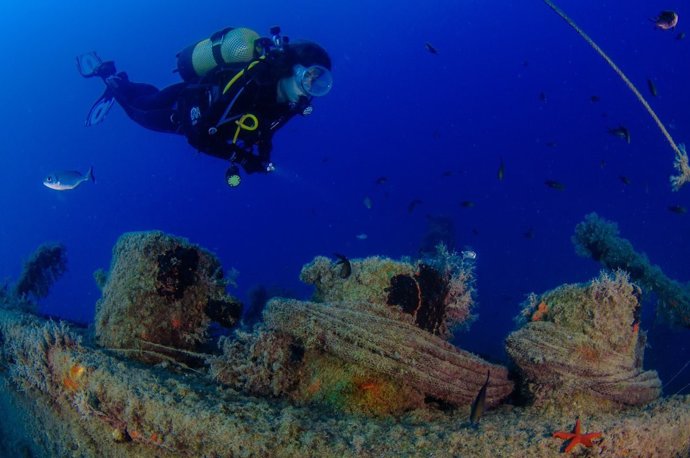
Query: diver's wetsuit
x=195 y=110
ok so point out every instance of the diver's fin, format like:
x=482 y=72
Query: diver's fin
x=100 y=109
x=90 y=175
x=90 y=65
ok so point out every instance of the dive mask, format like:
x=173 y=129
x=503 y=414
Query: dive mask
x=314 y=80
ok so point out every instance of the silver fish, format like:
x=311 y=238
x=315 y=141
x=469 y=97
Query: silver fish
x=64 y=180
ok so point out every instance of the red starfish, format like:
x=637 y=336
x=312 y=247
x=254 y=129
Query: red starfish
x=576 y=437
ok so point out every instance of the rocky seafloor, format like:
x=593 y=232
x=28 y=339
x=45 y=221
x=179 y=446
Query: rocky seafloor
x=363 y=368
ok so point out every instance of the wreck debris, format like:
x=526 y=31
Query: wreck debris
x=587 y=350
x=260 y=362
x=46 y=265
x=600 y=240
x=164 y=291
x=377 y=340
x=68 y=397
x=436 y=292
x=125 y=409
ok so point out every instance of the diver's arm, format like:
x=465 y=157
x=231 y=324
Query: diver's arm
x=264 y=146
x=250 y=162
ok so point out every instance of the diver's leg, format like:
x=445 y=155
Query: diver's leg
x=145 y=104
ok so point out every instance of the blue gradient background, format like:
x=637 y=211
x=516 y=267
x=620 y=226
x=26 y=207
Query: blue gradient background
x=395 y=110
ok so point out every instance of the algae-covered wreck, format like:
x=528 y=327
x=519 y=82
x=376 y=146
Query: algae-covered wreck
x=365 y=368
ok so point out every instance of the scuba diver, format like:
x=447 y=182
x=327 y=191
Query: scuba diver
x=238 y=89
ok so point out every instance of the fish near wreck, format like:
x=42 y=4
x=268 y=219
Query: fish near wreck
x=553 y=184
x=345 y=266
x=431 y=48
x=500 y=174
x=621 y=132
x=666 y=20
x=479 y=402
x=652 y=87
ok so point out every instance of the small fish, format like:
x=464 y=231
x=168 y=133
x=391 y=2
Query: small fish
x=595 y=98
x=64 y=180
x=528 y=234
x=367 y=203
x=678 y=209
x=553 y=184
x=551 y=144
x=413 y=205
x=680 y=36
x=447 y=173
x=345 y=266
x=652 y=87
x=430 y=48
x=625 y=180
x=602 y=164
x=666 y=20
x=381 y=180
x=467 y=204
x=542 y=97
x=501 y=171
x=621 y=132
x=469 y=254
x=361 y=236
x=475 y=231
x=479 y=402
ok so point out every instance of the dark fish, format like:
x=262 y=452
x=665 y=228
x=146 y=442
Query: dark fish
x=381 y=180
x=553 y=184
x=479 y=402
x=467 y=204
x=475 y=231
x=413 y=205
x=680 y=36
x=666 y=20
x=595 y=98
x=345 y=266
x=652 y=87
x=625 y=180
x=551 y=144
x=501 y=171
x=679 y=209
x=525 y=63
x=447 y=173
x=621 y=132
x=528 y=234
x=430 y=48
x=542 y=97
x=602 y=164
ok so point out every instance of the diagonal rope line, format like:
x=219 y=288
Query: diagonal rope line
x=681 y=162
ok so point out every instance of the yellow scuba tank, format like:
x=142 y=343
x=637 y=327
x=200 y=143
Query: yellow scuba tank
x=227 y=46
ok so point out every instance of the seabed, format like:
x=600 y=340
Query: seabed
x=167 y=414
x=328 y=377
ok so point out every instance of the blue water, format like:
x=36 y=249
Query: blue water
x=396 y=110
